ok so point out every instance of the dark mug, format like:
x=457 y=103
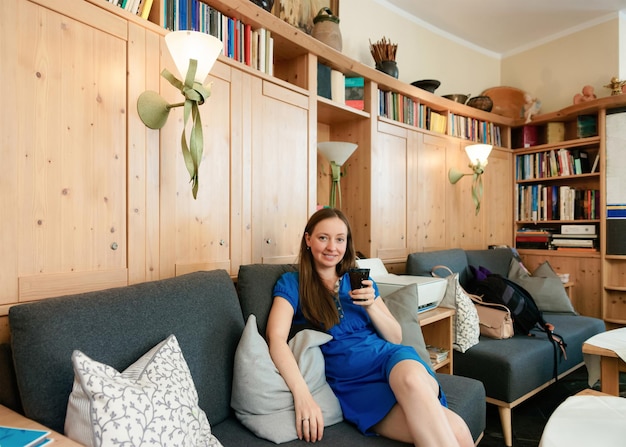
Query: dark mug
x=357 y=276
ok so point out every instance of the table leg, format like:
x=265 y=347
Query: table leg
x=609 y=375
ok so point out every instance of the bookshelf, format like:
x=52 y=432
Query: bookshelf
x=557 y=155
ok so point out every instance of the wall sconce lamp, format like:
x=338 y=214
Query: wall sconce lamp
x=194 y=54
x=337 y=152
x=477 y=154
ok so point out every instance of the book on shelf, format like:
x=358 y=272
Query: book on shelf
x=555 y=132
x=578 y=229
x=354 y=92
x=23 y=437
x=337 y=89
x=437 y=354
x=594 y=167
x=587 y=243
x=586 y=126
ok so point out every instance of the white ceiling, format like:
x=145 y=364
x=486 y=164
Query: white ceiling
x=508 y=26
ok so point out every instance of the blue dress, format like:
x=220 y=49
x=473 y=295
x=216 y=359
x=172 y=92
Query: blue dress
x=358 y=361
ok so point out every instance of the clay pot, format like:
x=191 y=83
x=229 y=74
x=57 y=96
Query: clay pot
x=265 y=4
x=326 y=29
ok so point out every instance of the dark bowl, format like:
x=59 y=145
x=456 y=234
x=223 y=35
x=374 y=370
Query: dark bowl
x=430 y=85
x=457 y=98
x=481 y=102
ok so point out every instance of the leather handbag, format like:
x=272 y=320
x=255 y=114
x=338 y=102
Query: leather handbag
x=495 y=319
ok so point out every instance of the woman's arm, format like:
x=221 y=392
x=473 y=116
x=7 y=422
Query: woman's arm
x=309 y=419
x=384 y=322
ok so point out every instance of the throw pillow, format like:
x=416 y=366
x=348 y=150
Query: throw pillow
x=403 y=305
x=466 y=325
x=153 y=402
x=261 y=399
x=544 y=286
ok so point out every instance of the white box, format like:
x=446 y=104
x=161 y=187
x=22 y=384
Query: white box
x=430 y=290
x=578 y=229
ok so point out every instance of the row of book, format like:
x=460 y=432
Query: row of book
x=138 y=7
x=252 y=47
x=554 y=163
x=554 y=132
x=474 y=129
x=553 y=202
x=547 y=239
x=406 y=110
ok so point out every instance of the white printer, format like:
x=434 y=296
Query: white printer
x=430 y=290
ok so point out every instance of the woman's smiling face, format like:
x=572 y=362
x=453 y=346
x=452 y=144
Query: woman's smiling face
x=328 y=242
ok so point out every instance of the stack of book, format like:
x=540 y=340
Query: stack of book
x=575 y=238
x=533 y=239
x=437 y=354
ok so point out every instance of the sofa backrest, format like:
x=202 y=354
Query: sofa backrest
x=116 y=327
x=458 y=260
x=255 y=283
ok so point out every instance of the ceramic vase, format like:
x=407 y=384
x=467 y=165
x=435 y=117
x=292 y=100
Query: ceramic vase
x=389 y=67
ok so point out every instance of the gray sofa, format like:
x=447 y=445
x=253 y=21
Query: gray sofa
x=203 y=310
x=515 y=369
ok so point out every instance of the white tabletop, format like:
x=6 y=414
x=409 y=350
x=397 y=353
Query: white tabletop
x=586 y=421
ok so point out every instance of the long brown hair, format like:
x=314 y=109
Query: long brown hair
x=316 y=300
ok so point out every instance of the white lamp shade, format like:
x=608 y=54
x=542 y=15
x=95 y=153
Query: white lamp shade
x=337 y=151
x=186 y=45
x=478 y=152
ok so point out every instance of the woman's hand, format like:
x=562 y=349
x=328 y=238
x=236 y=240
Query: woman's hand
x=309 y=418
x=365 y=295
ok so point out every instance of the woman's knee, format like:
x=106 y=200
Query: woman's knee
x=411 y=376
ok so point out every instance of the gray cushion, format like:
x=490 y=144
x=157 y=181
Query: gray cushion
x=524 y=363
x=403 y=304
x=262 y=400
x=119 y=325
x=544 y=286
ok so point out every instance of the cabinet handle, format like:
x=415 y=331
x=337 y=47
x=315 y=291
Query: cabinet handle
x=222 y=242
x=268 y=241
x=114 y=246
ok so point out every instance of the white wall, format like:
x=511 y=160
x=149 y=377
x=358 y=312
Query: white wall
x=422 y=53
x=554 y=72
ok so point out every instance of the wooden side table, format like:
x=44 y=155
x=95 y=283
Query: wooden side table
x=609 y=368
x=437 y=330
x=10 y=418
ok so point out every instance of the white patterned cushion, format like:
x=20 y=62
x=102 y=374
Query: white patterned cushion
x=466 y=327
x=152 y=403
x=261 y=399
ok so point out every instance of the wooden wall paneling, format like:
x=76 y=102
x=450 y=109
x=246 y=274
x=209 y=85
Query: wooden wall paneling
x=72 y=163
x=413 y=195
x=389 y=192
x=497 y=204
x=466 y=229
x=280 y=176
x=432 y=190
x=12 y=46
x=198 y=229
x=144 y=67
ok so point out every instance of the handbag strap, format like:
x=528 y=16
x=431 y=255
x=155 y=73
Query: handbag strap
x=433 y=271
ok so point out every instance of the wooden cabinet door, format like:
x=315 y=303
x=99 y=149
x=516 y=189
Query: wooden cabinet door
x=63 y=151
x=497 y=204
x=279 y=171
x=389 y=192
x=196 y=233
x=431 y=189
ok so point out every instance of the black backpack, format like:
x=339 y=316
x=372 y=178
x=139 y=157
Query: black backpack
x=524 y=311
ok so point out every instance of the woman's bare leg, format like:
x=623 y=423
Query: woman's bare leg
x=429 y=423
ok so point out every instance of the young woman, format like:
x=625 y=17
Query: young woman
x=384 y=387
